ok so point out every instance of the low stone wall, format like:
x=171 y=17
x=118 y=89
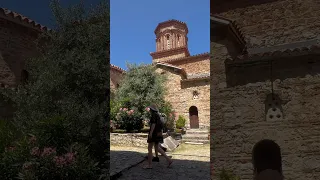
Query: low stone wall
x=129 y=139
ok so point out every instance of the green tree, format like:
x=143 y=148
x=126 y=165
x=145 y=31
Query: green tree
x=69 y=81
x=141 y=87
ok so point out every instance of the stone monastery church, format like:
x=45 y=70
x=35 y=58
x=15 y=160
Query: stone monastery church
x=188 y=75
x=265 y=89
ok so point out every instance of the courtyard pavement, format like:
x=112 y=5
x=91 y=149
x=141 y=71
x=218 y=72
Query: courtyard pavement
x=190 y=162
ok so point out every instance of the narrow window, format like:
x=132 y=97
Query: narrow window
x=168 y=42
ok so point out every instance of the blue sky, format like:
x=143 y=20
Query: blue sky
x=133 y=24
x=39 y=10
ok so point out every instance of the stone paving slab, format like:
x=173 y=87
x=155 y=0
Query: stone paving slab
x=183 y=168
x=189 y=163
x=123 y=158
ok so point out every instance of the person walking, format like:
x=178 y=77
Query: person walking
x=155 y=137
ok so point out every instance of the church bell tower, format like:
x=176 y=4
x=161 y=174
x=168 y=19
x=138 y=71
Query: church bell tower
x=171 y=41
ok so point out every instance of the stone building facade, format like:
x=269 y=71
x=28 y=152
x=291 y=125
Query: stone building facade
x=116 y=75
x=265 y=85
x=17 y=36
x=188 y=75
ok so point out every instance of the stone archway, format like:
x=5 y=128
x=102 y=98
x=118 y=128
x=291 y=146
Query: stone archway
x=193 y=117
x=266 y=156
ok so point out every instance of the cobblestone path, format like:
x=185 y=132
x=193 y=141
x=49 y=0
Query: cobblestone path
x=190 y=162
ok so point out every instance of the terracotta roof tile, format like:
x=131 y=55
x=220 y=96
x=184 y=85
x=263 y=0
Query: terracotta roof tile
x=181 y=70
x=199 y=75
x=168 y=65
x=196 y=78
x=171 y=21
x=188 y=57
x=170 y=50
x=313 y=49
x=23 y=19
x=235 y=28
x=117 y=68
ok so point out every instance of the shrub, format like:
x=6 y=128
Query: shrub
x=26 y=160
x=66 y=99
x=129 y=119
x=181 y=122
x=8 y=133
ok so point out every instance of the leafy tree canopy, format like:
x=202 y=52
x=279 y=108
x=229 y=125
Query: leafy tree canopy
x=141 y=87
x=69 y=80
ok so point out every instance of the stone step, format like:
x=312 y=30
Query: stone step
x=195 y=136
x=193 y=141
x=197 y=131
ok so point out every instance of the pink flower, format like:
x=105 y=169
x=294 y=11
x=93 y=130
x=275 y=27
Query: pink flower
x=121 y=109
x=35 y=151
x=59 y=161
x=130 y=112
x=48 y=151
x=147 y=109
x=69 y=157
x=125 y=109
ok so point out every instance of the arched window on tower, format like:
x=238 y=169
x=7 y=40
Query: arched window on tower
x=178 y=41
x=168 y=41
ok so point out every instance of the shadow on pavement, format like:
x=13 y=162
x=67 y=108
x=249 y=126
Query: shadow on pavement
x=127 y=165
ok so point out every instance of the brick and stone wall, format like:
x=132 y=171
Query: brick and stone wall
x=180 y=95
x=130 y=139
x=196 y=65
x=238 y=114
x=239 y=122
x=170 y=57
x=115 y=78
x=16 y=46
x=276 y=22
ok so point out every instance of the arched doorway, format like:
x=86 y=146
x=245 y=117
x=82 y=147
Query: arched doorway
x=24 y=76
x=266 y=155
x=194 y=118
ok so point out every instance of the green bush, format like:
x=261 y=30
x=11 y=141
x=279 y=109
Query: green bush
x=25 y=159
x=129 y=120
x=65 y=101
x=181 y=122
x=8 y=133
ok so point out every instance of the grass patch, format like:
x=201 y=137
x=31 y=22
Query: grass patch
x=187 y=147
